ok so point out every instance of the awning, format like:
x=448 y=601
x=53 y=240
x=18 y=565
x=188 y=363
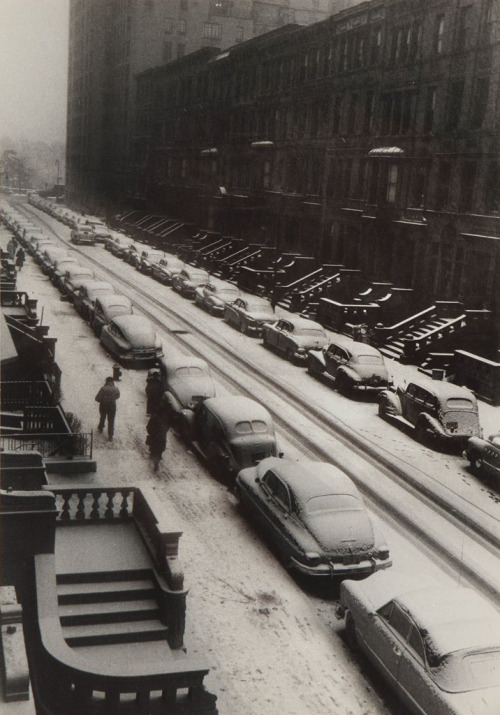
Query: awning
x=386 y=151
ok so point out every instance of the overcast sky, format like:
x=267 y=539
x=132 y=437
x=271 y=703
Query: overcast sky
x=33 y=69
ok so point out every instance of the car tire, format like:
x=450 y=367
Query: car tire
x=244 y=327
x=289 y=355
x=350 y=633
x=421 y=433
x=344 y=385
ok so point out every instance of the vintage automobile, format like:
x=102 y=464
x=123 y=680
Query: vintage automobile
x=119 y=245
x=294 y=337
x=352 y=365
x=231 y=433
x=107 y=308
x=315 y=516
x=132 y=340
x=83 y=235
x=187 y=381
x=249 y=315
x=131 y=254
x=87 y=294
x=59 y=268
x=148 y=259
x=38 y=248
x=49 y=255
x=215 y=296
x=165 y=269
x=438 y=647
x=188 y=280
x=101 y=233
x=484 y=456
x=72 y=279
x=439 y=411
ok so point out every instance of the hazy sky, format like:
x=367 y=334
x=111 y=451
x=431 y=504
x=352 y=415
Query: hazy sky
x=33 y=69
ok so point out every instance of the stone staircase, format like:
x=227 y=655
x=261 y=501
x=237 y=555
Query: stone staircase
x=395 y=348
x=109 y=607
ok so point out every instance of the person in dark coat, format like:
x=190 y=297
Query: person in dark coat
x=157 y=428
x=20 y=259
x=107 y=397
x=154 y=390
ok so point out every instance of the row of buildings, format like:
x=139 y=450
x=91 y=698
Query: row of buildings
x=369 y=139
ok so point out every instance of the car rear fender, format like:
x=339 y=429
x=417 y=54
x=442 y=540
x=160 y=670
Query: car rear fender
x=431 y=424
x=391 y=402
x=351 y=374
x=316 y=360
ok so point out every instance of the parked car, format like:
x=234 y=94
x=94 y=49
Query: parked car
x=73 y=279
x=113 y=237
x=231 y=433
x=59 y=268
x=83 y=235
x=187 y=381
x=131 y=254
x=439 y=411
x=119 y=246
x=148 y=259
x=249 y=315
x=315 y=516
x=188 y=280
x=484 y=455
x=294 y=337
x=352 y=365
x=37 y=249
x=87 y=294
x=49 y=255
x=132 y=340
x=166 y=269
x=215 y=296
x=101 y=233
x=107 y=308
x=438 y=647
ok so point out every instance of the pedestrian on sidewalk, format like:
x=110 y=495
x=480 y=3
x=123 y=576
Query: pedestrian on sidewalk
x=157 y=428
x=154 y=390
x=20 y=259
x=107 y=397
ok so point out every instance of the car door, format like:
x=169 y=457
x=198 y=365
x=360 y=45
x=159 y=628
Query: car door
x=266 y=506
x=237 y=310
x=384 y=636
x=331 y=360
x=273 y=332
x=417 y=688
x=284 y=336
x=99 y=319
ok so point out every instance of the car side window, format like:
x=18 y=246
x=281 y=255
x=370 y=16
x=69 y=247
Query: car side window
x=342 y=355
x=269 y=481
x=400 y=622
x=415 y=642
x=281 y=495
x=410 y=390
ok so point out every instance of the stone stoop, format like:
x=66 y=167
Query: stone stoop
x=109 y=607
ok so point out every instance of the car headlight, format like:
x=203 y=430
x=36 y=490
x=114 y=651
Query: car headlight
x=300 y=351
x=383 y=554
x=312 y=558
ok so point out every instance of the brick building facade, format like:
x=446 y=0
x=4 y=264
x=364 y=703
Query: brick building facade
x=369 y=139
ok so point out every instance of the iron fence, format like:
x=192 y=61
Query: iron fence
x=50 y=445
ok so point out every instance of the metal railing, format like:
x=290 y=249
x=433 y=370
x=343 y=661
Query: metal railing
x=15 y=394
x=50 y=445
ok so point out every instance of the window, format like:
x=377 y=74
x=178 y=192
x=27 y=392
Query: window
x=467 y=185
x=462 y=36
x=480 y=103
x=415 y=642
x=367 y=119
x=443 y=184
x=376 y=47
x=211 y=31
x=392 y=182
x=455 y=97
x=239 y=33
x=438 y=39
x=182 y=27
x=337 y=114
x=351 y=120
x=491 y=192
x=430 y=107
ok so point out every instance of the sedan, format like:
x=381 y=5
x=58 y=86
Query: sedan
x=484 y=455
x=87 y=294
x=148 y=259
x=101 y=233
x=119 y=245
x=72 y=280
x=438 y=647
x=249 y=315
x=188 y=280
x=187 y=381
x=166 y=269
x=214 y=297
x=59 y=268
x=131 y=254
x=107 y=308
x=315 y=516
x=83 y=235
x=350 y=364
x=132 y=340
x=294 y=337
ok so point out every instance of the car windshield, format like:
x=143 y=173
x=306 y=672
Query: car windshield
x=461 y=671
x=116 y=310
x=246 y=427
x=310 y=331
x=333 y=502
x=188 y=371
x=459 y=403
x=259 y=308
x=370 y=359
x=227 y=291
x=98 y=291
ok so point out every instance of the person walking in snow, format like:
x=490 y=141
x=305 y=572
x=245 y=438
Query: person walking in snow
x=20 y=259
x=107 y=397
x=154 y=390
x=157 y=428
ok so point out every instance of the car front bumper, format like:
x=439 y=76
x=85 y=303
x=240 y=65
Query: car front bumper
x=336 y=569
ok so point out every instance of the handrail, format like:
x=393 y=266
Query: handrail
x=65 y=444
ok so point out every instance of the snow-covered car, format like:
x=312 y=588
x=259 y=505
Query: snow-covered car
x=87 y=294
x=188 y=280
x=231 y=433
x=119 y=246
x=72 y=279
x=49 y=255
x=294 y=337
x=131 y=254
x=107 y=308
x=351 y=365
x=166 y=269
x=484 y=456
x=148 y=259
x=38 y=247
x=132 y=340
x=439 y=411
x=101 y=233
x=438 y=647
x=215 y=296
x=83 y=236
x=249 y=315
x=315 y=516
x=187 y=381
x=59 y=268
